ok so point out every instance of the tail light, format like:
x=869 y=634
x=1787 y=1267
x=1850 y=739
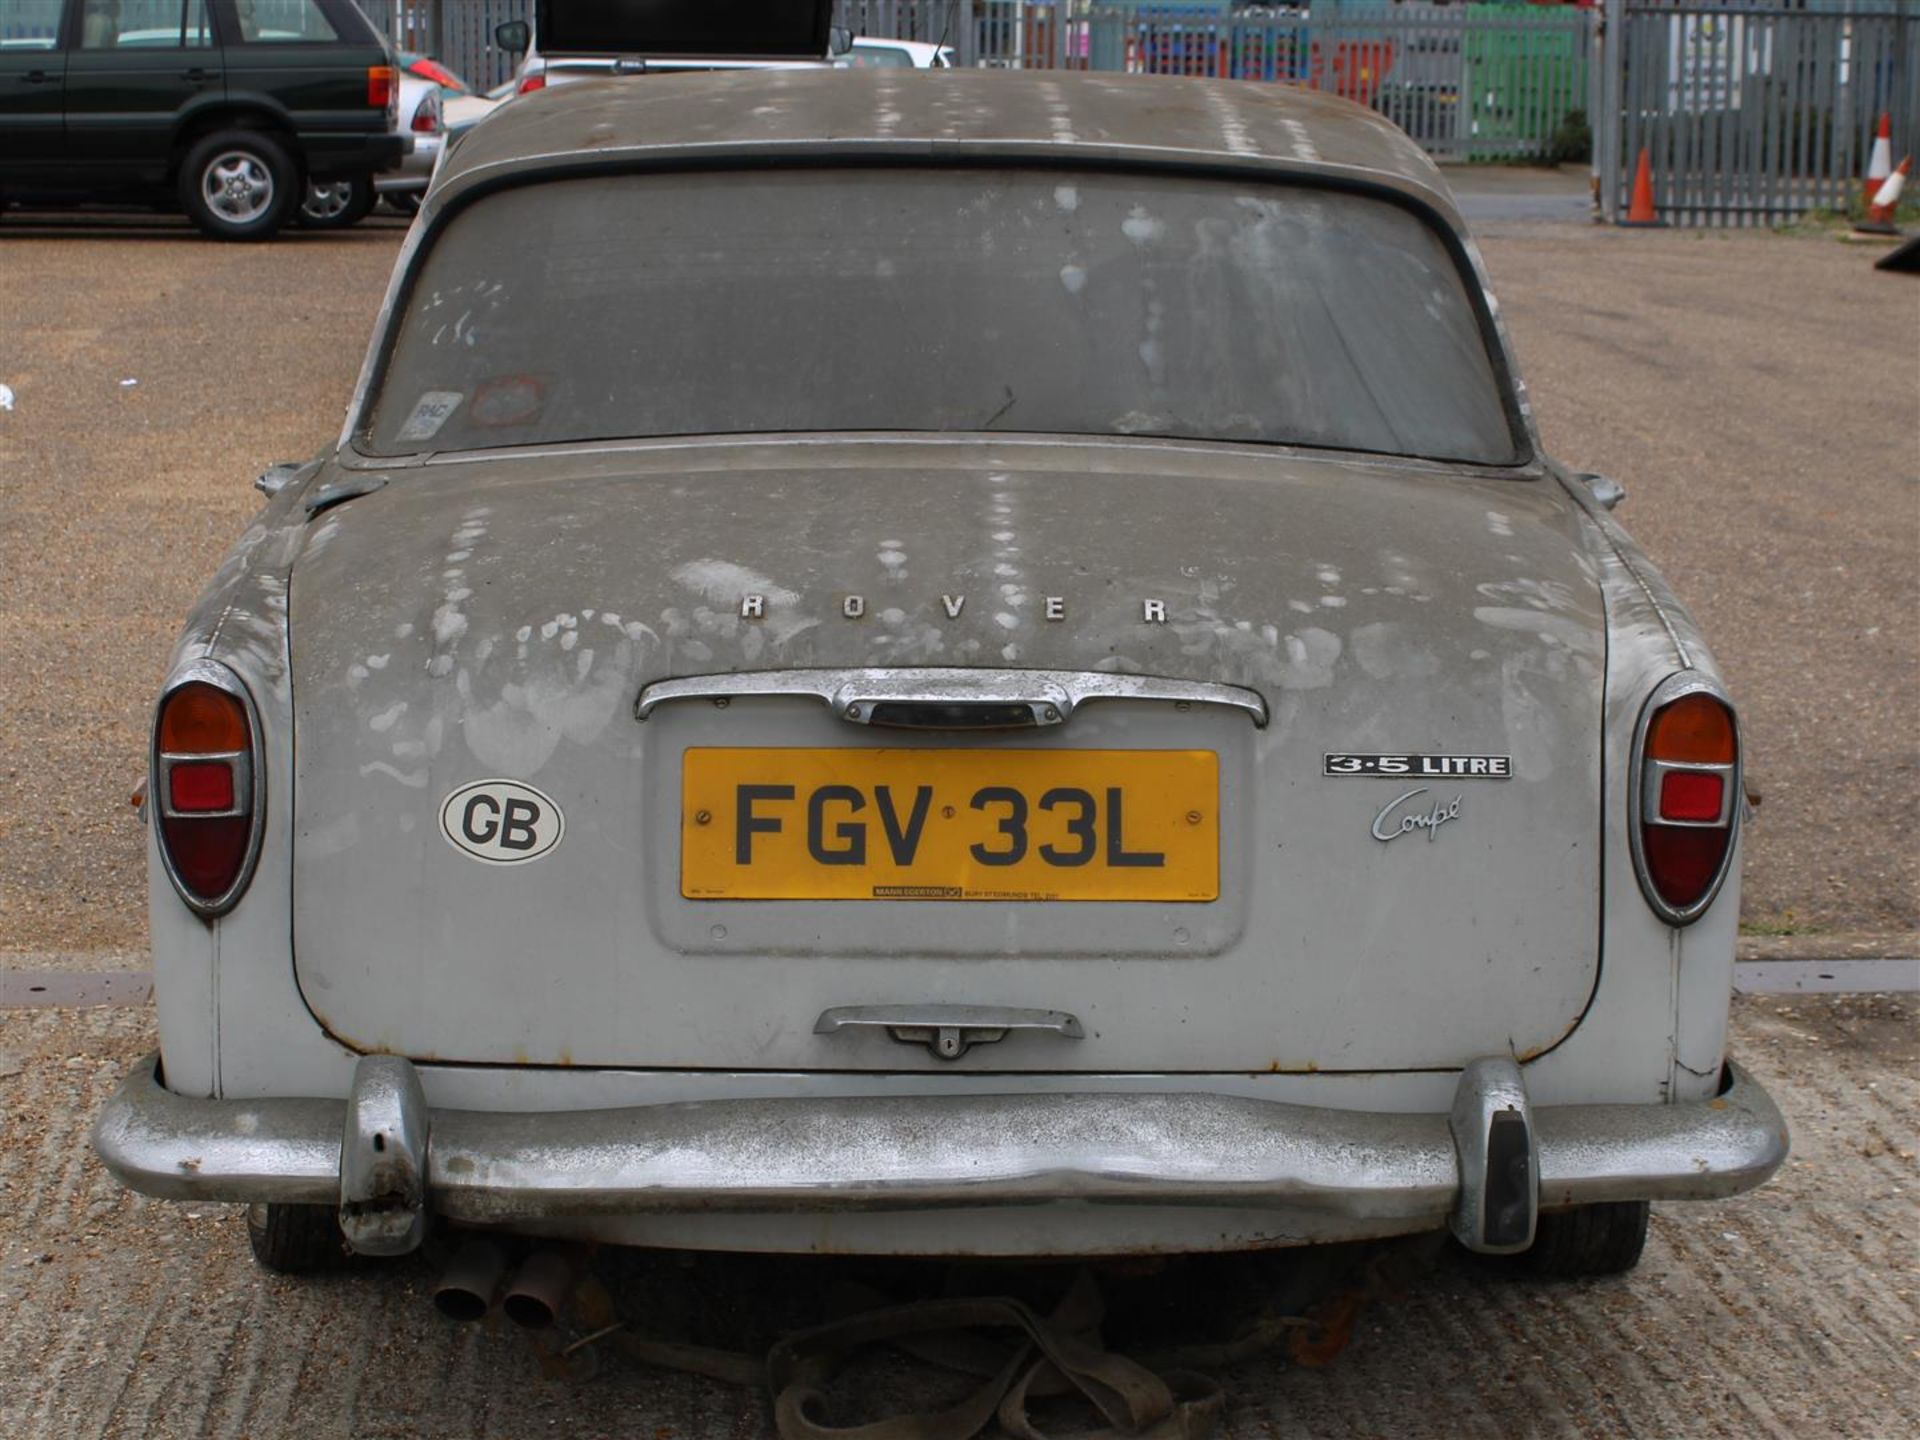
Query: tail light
x=206 y=786
x=530 y=83
x=1686 y=797
x=426 y=115
x=436 y=72
x=383 y=87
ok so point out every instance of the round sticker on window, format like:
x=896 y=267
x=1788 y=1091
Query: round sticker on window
x=508 y=400
x=501 y=821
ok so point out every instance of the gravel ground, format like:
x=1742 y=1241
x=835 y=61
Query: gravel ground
x=1759 y=397
x=1756 y=395
x=117 y=500
x=1788 y=1312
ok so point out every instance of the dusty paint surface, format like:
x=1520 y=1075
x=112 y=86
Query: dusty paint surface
x=520 y=586
x=497 y=618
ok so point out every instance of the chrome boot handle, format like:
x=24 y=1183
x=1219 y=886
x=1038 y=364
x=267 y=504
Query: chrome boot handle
x=949 y=1031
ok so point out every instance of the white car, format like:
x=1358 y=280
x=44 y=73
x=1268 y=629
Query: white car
x=997 y=669
x=870 y=53
x=463 y=112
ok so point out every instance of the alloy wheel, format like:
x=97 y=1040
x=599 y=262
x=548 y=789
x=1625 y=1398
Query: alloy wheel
x=327 y=200
x=238 y=186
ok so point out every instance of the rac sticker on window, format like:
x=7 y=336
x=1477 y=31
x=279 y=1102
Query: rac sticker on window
x=501 y=821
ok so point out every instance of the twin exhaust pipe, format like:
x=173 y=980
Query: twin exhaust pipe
x=532 y=1298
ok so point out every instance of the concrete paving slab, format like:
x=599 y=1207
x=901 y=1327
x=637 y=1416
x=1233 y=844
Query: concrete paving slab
x=1827 y=977
x=1492 y=195
x=73 y=989
x=1790 y=1312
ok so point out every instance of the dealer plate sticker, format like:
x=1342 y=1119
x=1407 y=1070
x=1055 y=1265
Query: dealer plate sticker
x=1423 y=767
x=932 y=823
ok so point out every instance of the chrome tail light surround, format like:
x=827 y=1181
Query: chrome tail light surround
x=1646 y=782
x=248 y=787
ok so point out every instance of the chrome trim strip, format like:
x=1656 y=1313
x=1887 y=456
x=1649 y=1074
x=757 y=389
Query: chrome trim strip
x=357 y=460
x=1052 y=695
x=1674 y=687
x=238 y=762
x=211 y=672
x=891 y=1153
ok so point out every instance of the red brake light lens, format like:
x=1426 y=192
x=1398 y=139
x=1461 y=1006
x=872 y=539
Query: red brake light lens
x=1684 y=862
x=198 y=786
x=1689 y=762
x=209 y=854
x=426 y=115
x=1692 y=795
x=204 y=785
x=533 y=82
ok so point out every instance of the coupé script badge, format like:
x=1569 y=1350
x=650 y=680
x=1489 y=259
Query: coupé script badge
x=1386 y=828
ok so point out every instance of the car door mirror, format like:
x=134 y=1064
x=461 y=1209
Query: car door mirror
x=514 y=37
x=839 y=40
x=1606 y=493
x=275 y=478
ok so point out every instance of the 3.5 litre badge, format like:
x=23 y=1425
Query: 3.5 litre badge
x=501 y=821
x=1423 y=767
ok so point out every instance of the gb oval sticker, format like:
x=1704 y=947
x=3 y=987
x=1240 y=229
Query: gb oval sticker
x=501 y=821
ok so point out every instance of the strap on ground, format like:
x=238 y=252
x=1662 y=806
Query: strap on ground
x=1020 y=1356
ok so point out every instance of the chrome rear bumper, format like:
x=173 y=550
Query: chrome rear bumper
x=388 y=1161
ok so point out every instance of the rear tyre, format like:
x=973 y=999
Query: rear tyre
x=336 y=204
x=1603 y=1239
x=238 y=184
x=295 y=1239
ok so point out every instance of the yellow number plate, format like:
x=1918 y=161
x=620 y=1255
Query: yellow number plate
x=861 y=824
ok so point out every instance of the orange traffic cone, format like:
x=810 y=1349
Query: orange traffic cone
x=1641 y=211
x=1886 y=201
x=1879 y=161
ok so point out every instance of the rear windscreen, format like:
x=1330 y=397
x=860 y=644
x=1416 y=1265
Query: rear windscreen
x=1031 y=300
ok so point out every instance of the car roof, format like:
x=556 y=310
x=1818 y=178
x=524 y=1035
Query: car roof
x=813 y=114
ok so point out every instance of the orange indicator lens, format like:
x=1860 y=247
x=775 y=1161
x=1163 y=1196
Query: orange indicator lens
x=1695 y=729
x=202 y=720
x=199 y=719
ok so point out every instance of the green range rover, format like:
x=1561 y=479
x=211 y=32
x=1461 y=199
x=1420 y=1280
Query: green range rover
x=225 y=108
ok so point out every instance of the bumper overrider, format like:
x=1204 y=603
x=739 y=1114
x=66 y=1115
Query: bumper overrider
x=1485 y=1169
